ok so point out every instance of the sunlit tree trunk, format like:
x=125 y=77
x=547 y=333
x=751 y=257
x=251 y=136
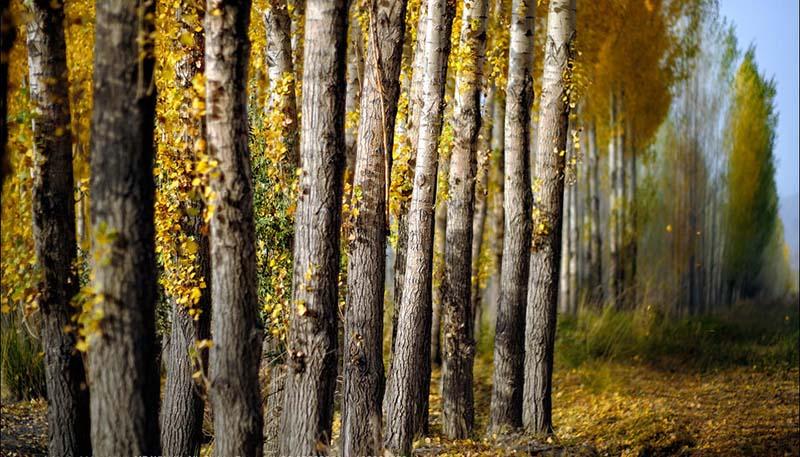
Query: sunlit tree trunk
x=235 y=355
x=53 y=206
x=540 y=327
x=481 y=206
x=458 y=345
x=355 y=83
x=363 y=364
x=496 y=176
x=311 y=376
x=405 y=403
x=123 y=354
x=182 y=410
x=282 y=101
x=506 y=408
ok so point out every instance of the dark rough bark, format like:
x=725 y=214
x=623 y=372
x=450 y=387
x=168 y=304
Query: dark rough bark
x=54 y=230
x=412 y=128
x=405 y=403
x=549 y=194
x=506 y=409
x=363 y=364
x=183 y=402
x=311 y=376
x=234 y=357
x=124 y=353
x=458 y=411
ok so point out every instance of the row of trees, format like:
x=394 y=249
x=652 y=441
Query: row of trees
x=241 y=203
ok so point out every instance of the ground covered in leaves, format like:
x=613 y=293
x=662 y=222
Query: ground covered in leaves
x=600 y=408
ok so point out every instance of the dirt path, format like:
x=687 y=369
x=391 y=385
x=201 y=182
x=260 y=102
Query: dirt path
x=599 y=409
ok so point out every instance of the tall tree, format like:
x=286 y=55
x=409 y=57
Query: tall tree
x=595 y=267
x=54 y=230
x=182 y=409
x=281 y=105
x=308 y=395
x=405 y=403
x=122 y=357
x=363 y=364
x=458 y=413
x=234 y=357
x=506 y=409
x=540 y=320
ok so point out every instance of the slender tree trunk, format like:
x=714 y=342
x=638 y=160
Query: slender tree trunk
x=439 y=241
x=123 y=354
x=363 y=366
x=496 y=176
x=54 y=230
x=233 y=363
x=182 y=411
x=412 y=130
x=282 y=77
x=458 y=411
x=616 y=202
x=308 y=402
x=543 y=288
x=506 y=409
x=572 y=263
x=405 y=403
x=355 y=82
x=481 y=206
x=563 y=262
x=595 y=238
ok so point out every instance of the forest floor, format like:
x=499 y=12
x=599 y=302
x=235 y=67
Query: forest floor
x=600 y=408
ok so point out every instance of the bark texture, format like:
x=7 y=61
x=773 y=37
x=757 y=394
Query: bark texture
x=124 y=353
x=540 y=320
x=363 y=364
x=412 y=129
x=54 y=230
x=311 y=376
x=234 y=357
x=405 y=403
x=506 y=408
x=458 y=352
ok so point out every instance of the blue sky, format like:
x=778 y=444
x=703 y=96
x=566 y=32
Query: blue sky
x=772 y=26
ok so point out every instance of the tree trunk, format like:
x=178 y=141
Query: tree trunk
x=54 y=230
x=405 y=404
x=355 y=82
x=282 y=75
x=506 y=409
x=363 y=366
x=458 y=411
x=496 y=176
x=233 y=363
x=182 y=411
x=123 y=354
x=311 y=377
x=439 y=241
x=481 y=206
x=551 y=150
x=572 y=226
x=412 y=129
x=595 y=238
x=282 y=103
